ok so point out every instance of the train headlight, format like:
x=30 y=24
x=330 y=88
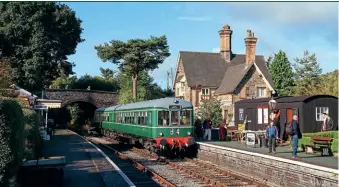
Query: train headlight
x=188 y=133
x=161 y=134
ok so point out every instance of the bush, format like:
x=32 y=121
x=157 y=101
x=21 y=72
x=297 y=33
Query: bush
x=33 y=139
x=332 y=134
x=211 y=109
x=11 y=139
x=306 y=139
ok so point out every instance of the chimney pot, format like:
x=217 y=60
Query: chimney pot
x=225 y=42
x=250 y=42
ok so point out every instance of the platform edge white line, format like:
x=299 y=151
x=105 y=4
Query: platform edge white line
x=321 y=168
x=122 y=174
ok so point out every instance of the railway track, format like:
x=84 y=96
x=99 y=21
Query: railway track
x=177 y=172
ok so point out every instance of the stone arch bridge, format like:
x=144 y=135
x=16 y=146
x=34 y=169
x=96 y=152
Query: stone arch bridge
x=94 y=97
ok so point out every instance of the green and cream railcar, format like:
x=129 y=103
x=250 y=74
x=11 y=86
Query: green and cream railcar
x=167 y=121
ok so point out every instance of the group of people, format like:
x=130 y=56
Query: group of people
x=292 y=129
x=203 y=129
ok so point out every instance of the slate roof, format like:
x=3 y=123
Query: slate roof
x=211 y=70
x=232 y=78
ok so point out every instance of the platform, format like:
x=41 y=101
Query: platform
x=282 y=152
x=86 y=166
x=273 y=169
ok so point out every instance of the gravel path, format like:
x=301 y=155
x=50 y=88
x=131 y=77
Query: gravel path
x=174 y=176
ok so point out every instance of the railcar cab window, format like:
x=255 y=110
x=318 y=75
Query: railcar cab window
x=175 y=116
x=163 y=118
x=185 y=118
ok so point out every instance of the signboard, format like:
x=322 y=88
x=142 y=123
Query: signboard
x=259 y=115
x=174 y=107
x=241 y=114
x=40 y=107
x=241 y=127
x=265 y=115
x=250 y=139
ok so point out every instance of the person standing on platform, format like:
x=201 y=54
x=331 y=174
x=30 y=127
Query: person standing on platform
x=295 y=134
x=207 y=129
x=271 y=134
x=198 y=128
x=327 y=124
x=222 y=130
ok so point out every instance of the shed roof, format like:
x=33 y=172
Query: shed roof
x=286 y=99
x=161 y=103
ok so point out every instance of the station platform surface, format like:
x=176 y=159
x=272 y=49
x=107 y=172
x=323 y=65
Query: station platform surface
x=282 y=152
x=85 y=165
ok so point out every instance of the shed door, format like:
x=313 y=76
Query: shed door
x=289 y=114
x=251 y=120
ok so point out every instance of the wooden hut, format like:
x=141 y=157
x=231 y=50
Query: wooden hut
x=308 y=108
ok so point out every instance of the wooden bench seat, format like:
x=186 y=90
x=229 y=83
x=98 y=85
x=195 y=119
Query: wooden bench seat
x=324 y=144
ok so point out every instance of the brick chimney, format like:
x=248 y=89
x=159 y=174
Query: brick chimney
x=225 y=42
x=250 y=42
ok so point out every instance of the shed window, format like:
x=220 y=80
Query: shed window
x=319 y=111
x=261 y=92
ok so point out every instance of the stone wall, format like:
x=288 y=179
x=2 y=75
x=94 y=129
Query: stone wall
x=267 y=169
x=97 y=98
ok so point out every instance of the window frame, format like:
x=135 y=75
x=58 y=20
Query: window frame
x=203 y=91
x=320 y=118
x=259 y=89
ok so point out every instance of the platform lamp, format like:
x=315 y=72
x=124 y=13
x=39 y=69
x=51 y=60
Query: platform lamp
x=272 y=104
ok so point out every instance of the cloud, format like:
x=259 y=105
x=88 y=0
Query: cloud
x=290 y=13
x=194 y=18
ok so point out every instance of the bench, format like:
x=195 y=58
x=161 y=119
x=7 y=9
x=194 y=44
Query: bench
x=324 y=144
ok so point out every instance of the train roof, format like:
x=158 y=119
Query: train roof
x=156 y=103
x=102 y=109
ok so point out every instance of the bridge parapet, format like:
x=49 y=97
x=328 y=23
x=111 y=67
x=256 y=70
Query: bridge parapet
x=94 y=97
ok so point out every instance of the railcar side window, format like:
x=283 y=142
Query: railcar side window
x=163 y=118
x=185 y=118
x=175 y=118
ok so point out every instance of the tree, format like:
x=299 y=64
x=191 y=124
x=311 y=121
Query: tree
x=329 y=84
x=36 y=38
x=307 y=71
x=282 y=74
x=135 y=55
x=107 y=73
x=63 y=81
x=211 y=109
x=269 y=61
x=147 y=90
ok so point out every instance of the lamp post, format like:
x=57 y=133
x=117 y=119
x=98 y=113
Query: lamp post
x=272 y=104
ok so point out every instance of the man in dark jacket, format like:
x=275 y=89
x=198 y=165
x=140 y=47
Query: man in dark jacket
x=327 y=124
x=296 y=135
x=198 y=128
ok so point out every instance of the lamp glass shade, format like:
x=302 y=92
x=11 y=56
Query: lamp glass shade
x=272 y=104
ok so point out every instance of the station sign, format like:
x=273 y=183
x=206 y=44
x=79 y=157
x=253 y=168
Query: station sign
x=40 y=107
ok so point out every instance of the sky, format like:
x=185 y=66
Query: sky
x=193 y=26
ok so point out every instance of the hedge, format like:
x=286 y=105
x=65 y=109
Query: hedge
x=11 y=140
x=306 y=139
x=33 y=139
x=332 y=134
